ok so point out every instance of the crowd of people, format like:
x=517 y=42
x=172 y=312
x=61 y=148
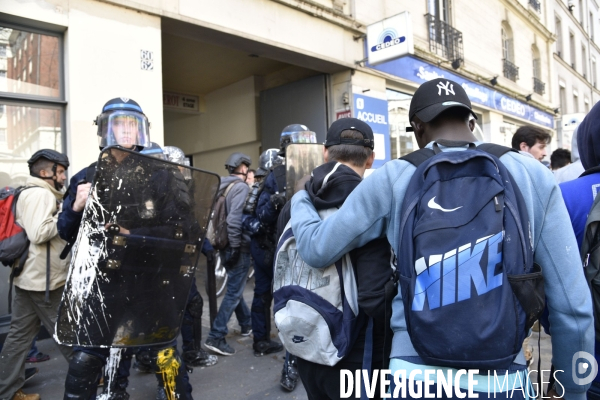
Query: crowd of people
x=421 y=303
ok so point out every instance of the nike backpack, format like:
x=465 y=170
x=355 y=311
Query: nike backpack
x=470 y=288
x=315 y=309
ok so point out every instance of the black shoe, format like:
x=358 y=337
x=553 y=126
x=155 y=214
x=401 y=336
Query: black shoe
x=266 y=347
x=246 y=331
x=30 y=372
x=289 y=377
x=219 y=346
x=199 y=358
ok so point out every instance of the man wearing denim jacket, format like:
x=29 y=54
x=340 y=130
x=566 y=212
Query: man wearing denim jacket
x=373 y=210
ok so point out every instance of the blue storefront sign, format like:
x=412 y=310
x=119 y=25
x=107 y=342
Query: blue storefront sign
x=419 y=71
x=375 y=113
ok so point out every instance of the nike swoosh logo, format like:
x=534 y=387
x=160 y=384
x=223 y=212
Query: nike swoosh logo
x=432 y=204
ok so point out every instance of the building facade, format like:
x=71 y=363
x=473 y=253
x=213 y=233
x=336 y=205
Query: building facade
x=216 y=78
x=576 y=55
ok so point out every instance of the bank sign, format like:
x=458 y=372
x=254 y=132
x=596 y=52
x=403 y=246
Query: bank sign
x=390 y=38
x=418 y=71
x=375 y=113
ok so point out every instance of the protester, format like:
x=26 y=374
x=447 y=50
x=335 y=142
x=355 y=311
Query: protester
x=348 y=153
x=560 y=158
x=39 y=287
x=235 y=257
x=579 y=194
x=531 y=140
x=573 y=170
x=439 y=111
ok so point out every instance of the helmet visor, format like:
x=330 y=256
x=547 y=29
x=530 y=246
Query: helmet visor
x=303 y=137
x=123 y=128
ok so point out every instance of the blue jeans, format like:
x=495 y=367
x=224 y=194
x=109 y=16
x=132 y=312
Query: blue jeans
x=233 y=300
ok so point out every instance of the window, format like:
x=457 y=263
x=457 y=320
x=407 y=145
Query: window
x=34 y=110
x=440 y=9
x=444 y=40
x=594 y=73
x=575 y=102
x=539 y=87
x=591 y=28
x=573 y=50
x=581 y=13
x=563 y=100
x=401 y=142
x=559 y=44
x=509 y=69
x=584 y=61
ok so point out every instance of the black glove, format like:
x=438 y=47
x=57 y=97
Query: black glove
x=233 y=257
x=210 y=257
x=278 y=200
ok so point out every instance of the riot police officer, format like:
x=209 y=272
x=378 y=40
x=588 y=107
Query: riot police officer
x=122 y=123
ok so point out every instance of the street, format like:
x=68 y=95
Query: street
x=241 y=376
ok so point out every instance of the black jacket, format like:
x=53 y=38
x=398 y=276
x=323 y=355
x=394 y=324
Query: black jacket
x=371 y=262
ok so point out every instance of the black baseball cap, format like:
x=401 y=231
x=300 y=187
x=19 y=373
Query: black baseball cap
x=344 y=124
x=436 y=96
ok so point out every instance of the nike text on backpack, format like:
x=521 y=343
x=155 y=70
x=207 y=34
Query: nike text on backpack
x=217 y=227
x=315 y=309
x=470 y=288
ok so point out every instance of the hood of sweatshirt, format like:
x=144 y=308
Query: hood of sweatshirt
x=330 y=185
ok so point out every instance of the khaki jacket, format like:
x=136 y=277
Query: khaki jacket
x=37 y=211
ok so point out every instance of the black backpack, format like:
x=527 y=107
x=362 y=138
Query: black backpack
x=590 y=256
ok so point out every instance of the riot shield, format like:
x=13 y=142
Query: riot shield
x=136 y=252
x=300 y=160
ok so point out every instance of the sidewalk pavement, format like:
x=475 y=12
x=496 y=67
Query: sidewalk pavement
x=240 y=376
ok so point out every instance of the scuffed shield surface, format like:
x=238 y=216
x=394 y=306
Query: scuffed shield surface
x=136 y=252
x=300 y=160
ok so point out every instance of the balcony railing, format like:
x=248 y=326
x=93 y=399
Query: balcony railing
x=510 y=70
x=444 y=40
x=535 y=4
x=538 y=86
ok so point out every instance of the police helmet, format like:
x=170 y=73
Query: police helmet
x=174 y=154
x=122 y=122
x=50 y=155
x=235 y=160
x=269 y=159
x=154 y=150
x=295 y=133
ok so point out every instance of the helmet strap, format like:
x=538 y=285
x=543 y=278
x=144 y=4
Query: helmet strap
x=52 y=177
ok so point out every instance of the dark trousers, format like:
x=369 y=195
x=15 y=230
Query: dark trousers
x=323 y=382
x=261 y=303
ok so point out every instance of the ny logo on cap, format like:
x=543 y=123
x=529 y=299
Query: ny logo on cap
x=448 y=87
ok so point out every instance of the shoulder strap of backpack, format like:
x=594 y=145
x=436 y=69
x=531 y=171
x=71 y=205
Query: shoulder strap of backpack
x=418 y=157
x=495 y=149
x=229 y=187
